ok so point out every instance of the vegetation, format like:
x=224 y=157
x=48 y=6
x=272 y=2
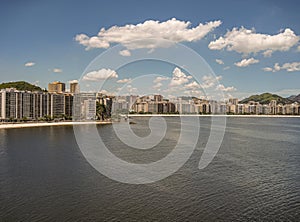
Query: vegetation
x=101 y=111
x=266 y=98
x=21 y=85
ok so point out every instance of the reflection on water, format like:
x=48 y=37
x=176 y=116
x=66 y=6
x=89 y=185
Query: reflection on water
x=255 y=176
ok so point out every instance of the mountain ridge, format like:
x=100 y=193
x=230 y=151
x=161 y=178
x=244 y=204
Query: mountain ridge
x=266 y=98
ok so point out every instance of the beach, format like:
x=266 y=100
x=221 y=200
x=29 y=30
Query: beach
x=217 y=115
x=26 y=125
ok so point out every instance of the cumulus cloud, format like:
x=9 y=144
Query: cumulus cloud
x=219 y=61
x=209 y=81
x=29 y=64
x=227 y=67
x=73 y=81
x=248 y=41
x=158 y=85
x=179 y=78
x=131 y=89
x=36 y=83
x=100 y=74
x=267 y=53
x=193 y=85
x=124 y=80
x=225 y=89
x=196 y=93
x=148 y=34
x=290 y=67
x=267 y=69
x=246 y=62
x=160 y=78
x=125 y=52
x=56 y=70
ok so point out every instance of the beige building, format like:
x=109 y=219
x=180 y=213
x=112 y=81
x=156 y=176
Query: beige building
x=74 y=87
x=56 y=87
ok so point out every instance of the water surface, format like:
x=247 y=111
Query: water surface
x=255 y=176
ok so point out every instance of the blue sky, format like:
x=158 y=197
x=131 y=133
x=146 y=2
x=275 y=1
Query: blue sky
x=43 y=32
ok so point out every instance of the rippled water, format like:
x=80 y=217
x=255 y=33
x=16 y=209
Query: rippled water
x=255 y=176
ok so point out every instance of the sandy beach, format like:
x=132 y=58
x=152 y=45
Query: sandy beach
x=219 y=115
x=25 y=125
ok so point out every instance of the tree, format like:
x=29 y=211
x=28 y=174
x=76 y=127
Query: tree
x=100 y=111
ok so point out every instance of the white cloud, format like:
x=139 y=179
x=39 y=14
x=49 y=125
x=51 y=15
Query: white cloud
x=73 y=81
x=196 y=93
x=290 y=67
x=56 y=70
x=131 y=89
x=246 y=62
x=158 y=85
x=103 y=91
x=192 y=85
x=225 y=89
x=298 y=48
x=227 y=67
x=276 y=67
x=209 y=81
x=219 y=61
x=29 y=64
x=124 y=80
x=179 y=78
x=148 y=34
x=248 y=41
x=125 y=52
x=267 y=53
x=267 y=69
x=160 y=78
x=100 y=74
x=36 y=83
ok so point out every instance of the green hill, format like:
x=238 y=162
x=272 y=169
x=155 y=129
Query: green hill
x=20 y=85
x=266 y=98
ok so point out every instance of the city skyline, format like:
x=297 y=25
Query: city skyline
x=73 y=87
x=229 y=42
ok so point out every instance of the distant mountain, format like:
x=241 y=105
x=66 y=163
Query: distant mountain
x=294 y=98
x=20 y=85
x=266 y=98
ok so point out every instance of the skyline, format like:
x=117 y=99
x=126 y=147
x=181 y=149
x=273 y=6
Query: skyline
x=43 y=44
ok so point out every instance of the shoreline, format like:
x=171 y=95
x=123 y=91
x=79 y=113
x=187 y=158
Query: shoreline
x=26 y=125
x=217 y=115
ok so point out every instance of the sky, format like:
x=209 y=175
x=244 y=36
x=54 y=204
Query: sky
x=251 y=47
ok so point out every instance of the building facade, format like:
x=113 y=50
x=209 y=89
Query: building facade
x=56 y=87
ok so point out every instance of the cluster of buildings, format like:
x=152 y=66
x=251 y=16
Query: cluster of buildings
x=55 y=104
x=60 y=104
x=255 y=108
x=156 y=104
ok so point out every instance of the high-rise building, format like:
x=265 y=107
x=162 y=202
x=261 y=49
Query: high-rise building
x=56 y=87
x=57 y=105
x=69 y=105
x=234 y=101
x=74 y=87
x=89 y=109
x=158 y=98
